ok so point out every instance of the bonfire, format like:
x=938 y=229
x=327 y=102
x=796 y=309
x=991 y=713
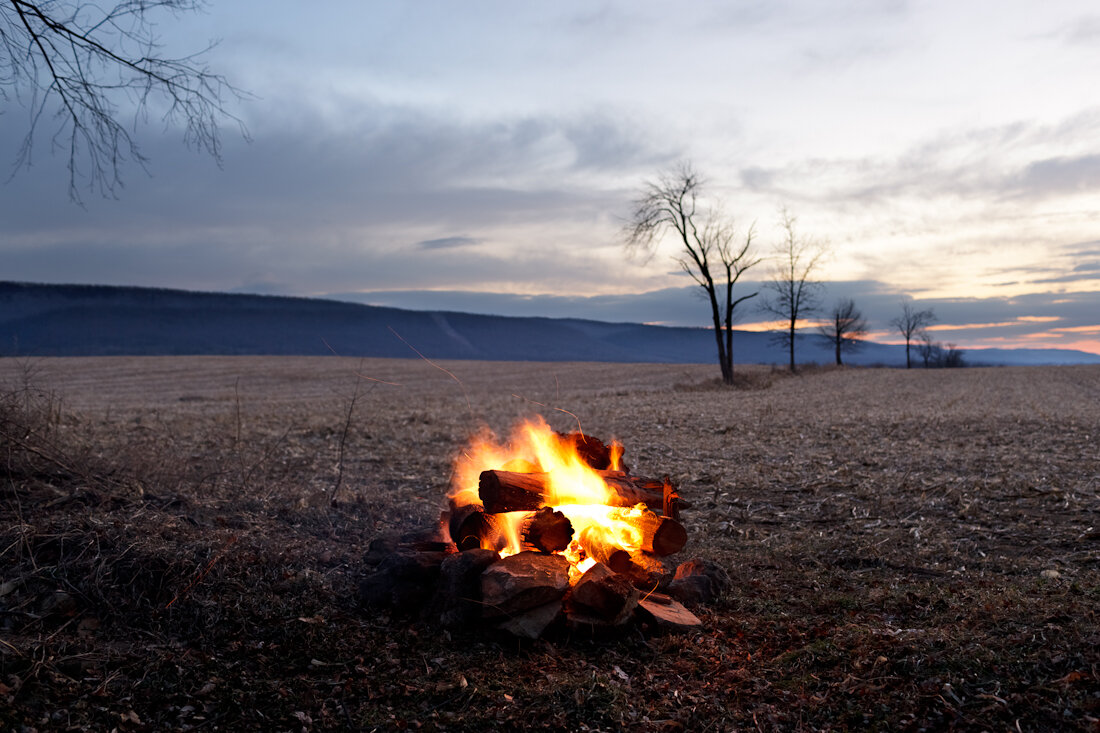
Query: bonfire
x=547 y=527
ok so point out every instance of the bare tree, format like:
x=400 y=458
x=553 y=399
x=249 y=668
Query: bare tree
x=845 y=328
x=912 y=324
x=710 y=250
x=930 y=351
x=93 y=69
x=794 y=293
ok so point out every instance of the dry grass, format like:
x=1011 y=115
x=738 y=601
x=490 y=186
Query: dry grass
x=910 y=549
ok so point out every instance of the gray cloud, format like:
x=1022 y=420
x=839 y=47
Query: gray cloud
x=447 y=243
x=1055 y=176
x=311 y=198
x=932 y=168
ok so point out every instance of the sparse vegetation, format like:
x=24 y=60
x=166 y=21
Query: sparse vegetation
x=909 y=550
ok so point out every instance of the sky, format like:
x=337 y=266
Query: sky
x=483 y=156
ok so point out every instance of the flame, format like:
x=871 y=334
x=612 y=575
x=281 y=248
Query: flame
x=574 y=488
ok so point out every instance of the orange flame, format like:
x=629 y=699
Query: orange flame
x=574 y=488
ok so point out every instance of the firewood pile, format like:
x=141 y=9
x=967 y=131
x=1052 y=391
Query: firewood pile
x=524 y=550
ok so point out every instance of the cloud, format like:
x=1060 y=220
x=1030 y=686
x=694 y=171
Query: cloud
x=360 y=196
x=447 y=243
x=997 y=162
x=1056 y=176
x=1084 y=30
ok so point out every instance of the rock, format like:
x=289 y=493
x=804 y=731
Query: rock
x=457 y=600
x=699 y=581
x=531 y=623
x=604 y=595
x=404 y=581
x=523 y=581
x=692 y=590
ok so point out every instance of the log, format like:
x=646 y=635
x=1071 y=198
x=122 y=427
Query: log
x=605 y=595
x=602 y=551
x=522 y=582
x=661 y=536
x=466 y=526
x=471 y=527
x=548 y=530
x=592 y=450
x=507 y=491
x=510 y=491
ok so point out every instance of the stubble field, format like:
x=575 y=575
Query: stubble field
x=181 y=541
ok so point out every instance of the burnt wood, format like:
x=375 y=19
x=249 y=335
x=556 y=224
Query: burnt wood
x=548 y=530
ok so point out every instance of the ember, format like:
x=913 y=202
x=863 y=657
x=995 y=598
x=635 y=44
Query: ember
x=550 y=526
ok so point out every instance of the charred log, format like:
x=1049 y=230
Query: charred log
x=548 y=530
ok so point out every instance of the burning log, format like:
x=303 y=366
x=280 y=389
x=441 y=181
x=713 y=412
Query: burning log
x=548 y=530
x=597 y=547
x=661 y=536
x=466 y=524
x=471 y=528
x=592 y=450
x=508 y=491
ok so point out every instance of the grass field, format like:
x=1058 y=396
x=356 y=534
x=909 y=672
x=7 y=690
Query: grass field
x=181 y=539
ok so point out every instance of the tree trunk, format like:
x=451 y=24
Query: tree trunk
x=716 y=318
x=790 y=345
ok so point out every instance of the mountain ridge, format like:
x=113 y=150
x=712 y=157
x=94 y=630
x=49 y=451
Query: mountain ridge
x=99 y=320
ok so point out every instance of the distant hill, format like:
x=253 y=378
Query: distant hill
x=90 y=320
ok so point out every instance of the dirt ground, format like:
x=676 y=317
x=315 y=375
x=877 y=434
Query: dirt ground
x=181 y=539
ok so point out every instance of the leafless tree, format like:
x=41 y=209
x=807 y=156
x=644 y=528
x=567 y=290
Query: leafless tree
x=845 y=328
x=710 y=251
x=930 y=351
x=912 y=324
x=94 y=69
x=793 y=294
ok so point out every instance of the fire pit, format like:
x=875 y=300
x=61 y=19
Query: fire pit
x=548 y=528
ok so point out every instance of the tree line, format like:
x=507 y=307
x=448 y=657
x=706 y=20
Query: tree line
x=716 y=256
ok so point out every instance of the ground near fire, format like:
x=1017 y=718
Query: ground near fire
x=182 y=542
